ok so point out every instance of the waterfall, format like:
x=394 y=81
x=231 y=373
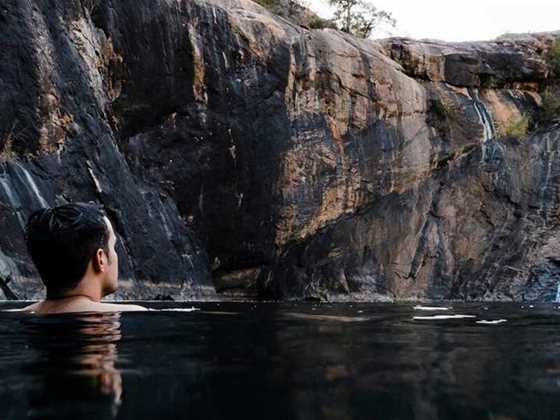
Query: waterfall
x=165 y=223
x=20 y=190
x=557 y=299
x=9 y=192
x=545 y=192
x=484 y=115
x=30 y=182
x=13 y=199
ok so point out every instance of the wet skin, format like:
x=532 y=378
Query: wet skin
x=100 y=279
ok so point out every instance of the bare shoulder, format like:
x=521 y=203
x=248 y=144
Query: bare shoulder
x=47 y=307
x=122 y=307
x=29 y=308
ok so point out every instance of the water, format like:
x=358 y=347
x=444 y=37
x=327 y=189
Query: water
x=284 y=361
x=17 y=193
x=27 y=179
x=484 y=115
x=13 y=199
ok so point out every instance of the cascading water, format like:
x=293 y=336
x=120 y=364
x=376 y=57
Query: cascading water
x=12 y=197
x=484 y=115
x=9 y=192
x=20 y=191
x=546 y=192
x=29 y=182
x=485 y=118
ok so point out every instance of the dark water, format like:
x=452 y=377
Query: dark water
x=282 y=361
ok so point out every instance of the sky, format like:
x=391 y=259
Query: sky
x=460 y=20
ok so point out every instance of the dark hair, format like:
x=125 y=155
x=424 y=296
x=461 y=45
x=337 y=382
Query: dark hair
x=62 y=241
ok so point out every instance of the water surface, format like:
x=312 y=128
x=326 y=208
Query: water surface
x=284 y=361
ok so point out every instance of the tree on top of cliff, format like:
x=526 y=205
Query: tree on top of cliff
x=359 y=17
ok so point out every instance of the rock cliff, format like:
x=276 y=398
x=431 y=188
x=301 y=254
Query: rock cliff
x=235 y=148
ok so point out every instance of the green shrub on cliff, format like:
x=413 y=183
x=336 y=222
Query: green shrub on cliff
x=554 y=58
x=358 y=17
x=439 y=108
x=272 y=5
x=517 y=127
x=440 y=116
x=297 y=12
x=319 y=23
x=550 y=107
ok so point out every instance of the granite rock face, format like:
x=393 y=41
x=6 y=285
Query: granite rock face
x=58 y=144
x=234 y=146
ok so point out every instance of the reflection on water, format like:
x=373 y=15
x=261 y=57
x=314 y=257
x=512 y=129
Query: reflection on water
x=284 y=361
x=69 y=361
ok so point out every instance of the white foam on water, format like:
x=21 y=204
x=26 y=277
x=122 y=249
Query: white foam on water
x=335 y=318
x=491 y=322
x=440 y=317
x=192 y=309
x=431 y=308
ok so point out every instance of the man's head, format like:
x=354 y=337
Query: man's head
x=69 y=241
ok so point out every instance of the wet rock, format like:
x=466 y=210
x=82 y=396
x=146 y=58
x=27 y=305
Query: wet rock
x=504 y=62
x=59 y=146
x=229 y=143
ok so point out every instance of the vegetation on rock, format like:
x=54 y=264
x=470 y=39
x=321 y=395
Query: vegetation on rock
x=550 y=107
x=438 y=116
x=554 y=58
x=359 y=17
x=317 y=22
x=439 y=108
x=517 y=127
x=297 y=12
x=272 y=5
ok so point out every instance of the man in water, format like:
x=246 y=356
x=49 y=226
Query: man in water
x=73 y=248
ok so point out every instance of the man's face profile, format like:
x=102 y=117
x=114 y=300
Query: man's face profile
x=82 y=237
x=110 y=280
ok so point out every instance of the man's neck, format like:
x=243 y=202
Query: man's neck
x=87 y=288
x=71 y=296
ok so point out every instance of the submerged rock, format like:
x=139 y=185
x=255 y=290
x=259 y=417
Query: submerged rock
x=281 y=162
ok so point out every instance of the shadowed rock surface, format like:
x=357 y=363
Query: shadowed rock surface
x=58 y=144
x=230 y=144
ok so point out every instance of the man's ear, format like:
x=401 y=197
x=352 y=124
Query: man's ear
x=98 y=261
